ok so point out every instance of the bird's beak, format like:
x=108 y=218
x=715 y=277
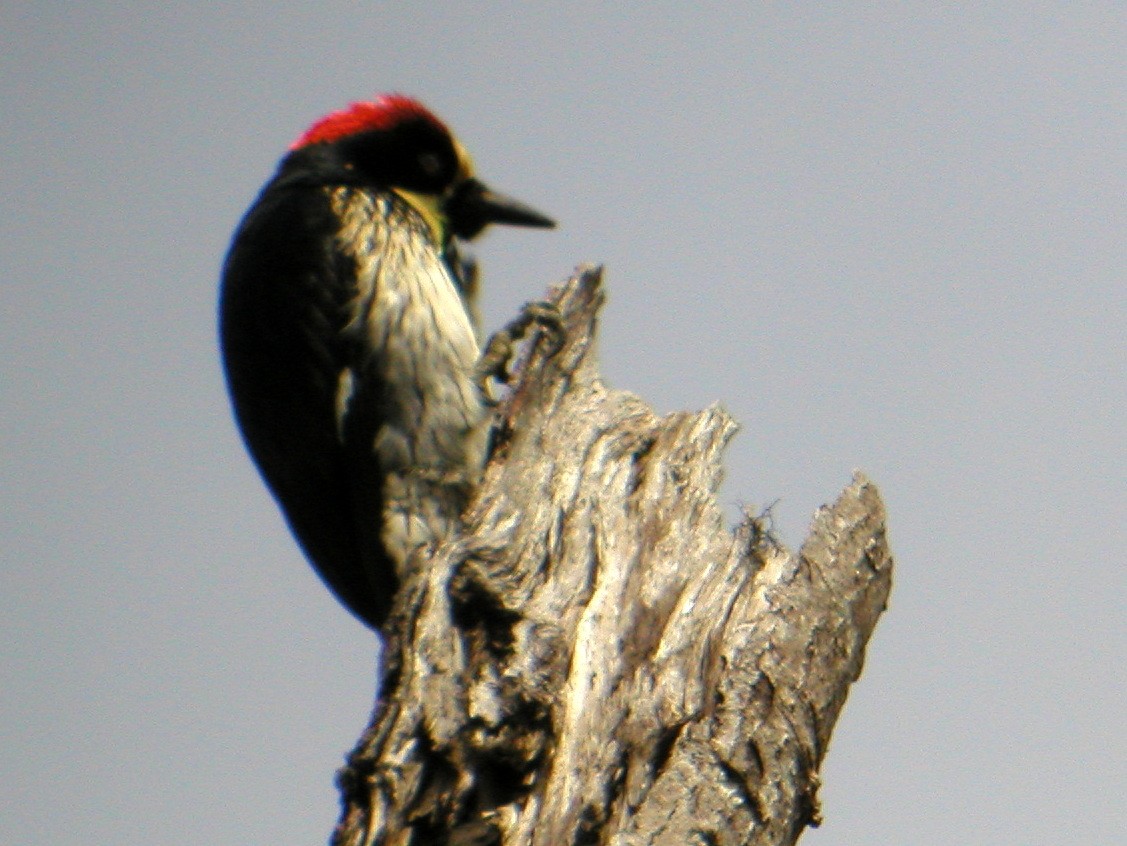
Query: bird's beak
x=498 y=208
x=473 y=207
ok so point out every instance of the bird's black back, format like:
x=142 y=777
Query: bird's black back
x=286 y=285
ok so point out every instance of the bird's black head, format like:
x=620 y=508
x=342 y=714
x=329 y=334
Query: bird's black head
x=396 y=143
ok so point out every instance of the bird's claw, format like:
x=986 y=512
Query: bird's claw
x=494 y=362
x=546 y=317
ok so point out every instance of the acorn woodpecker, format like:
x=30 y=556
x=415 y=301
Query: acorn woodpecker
x=348 y=343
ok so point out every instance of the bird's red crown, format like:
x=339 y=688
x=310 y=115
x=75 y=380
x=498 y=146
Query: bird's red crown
x=382 y=113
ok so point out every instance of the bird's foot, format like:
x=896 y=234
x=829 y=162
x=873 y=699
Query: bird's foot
x=494 y=361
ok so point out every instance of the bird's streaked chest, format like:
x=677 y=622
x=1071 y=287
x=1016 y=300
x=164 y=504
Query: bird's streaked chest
x=414 y=346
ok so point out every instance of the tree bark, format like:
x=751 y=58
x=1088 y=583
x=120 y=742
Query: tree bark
x=598 y=659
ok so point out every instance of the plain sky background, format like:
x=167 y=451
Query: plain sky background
x=884 y=236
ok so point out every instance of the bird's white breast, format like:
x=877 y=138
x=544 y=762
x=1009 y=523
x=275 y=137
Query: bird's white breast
x=418 y=342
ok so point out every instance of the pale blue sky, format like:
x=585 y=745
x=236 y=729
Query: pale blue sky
x=886 y=236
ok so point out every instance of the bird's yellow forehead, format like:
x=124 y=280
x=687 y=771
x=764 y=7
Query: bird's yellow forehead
x=465 y=163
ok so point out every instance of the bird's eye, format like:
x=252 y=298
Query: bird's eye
x=430 y=163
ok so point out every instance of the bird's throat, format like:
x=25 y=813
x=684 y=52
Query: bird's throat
x=430 y=207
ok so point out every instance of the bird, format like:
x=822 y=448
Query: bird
x=349 y=343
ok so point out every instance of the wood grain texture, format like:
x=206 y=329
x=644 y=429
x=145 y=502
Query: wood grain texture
x=599 y=659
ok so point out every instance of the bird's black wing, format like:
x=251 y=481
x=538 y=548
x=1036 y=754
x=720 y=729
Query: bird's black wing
x=286 y=286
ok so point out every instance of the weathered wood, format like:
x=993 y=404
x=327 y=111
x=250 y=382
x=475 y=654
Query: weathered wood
x=599 y=660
